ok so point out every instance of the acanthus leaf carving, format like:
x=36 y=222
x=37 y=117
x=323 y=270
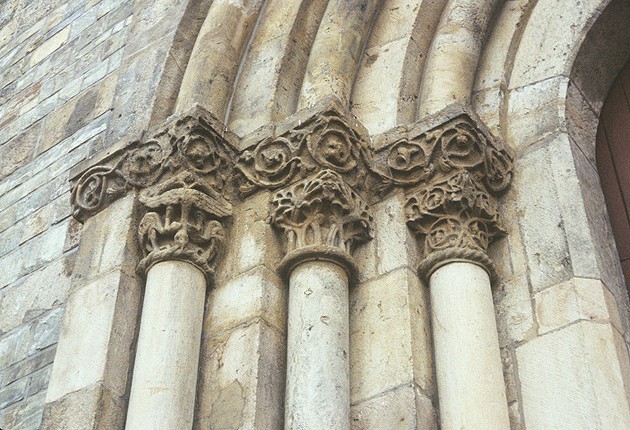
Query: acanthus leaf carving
x=327 y=140
x=184 y=221
x=321 y=216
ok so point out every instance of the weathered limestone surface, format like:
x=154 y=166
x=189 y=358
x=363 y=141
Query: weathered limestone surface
x=167 y=357
x=78 y=76
x=566 y=365
x=466 y=349
x=103 y=307
x=318 y=347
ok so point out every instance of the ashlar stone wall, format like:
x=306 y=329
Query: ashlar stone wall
x=68 y=71
x=82 y=80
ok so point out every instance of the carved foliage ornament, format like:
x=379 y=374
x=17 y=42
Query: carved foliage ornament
x=453 y=213
x=321 y=214
x=327 y=140
x=188 y=143
x=457 y=144
x=183 y=222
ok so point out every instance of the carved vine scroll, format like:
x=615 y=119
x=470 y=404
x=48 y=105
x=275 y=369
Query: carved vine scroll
x=457 y=144
x=453 y=212
x=327 y=140
x=193 y=142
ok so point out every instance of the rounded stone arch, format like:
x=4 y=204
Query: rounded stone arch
x=601 y=56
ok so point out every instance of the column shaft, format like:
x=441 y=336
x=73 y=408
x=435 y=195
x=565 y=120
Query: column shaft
x=165 y=371
x=470 y=380
x=318 y=382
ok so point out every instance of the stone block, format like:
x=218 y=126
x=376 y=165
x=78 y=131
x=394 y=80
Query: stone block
x=603 y=53
x=510 y=375
x=69 y=118
x=398 y=409
x=258 y=293
x=46 y=329
x=378 y=85
x=108 y=241
x=365 y=256
x=26 y=415
x=513 y=306
x=10 y=238
x=136 y=89
x=389 y=335
x=545 y=49
x=44 y=248
x=19 y=150
x=92 y=408
x=487 y=104
x=13 y=393
x=396 y=247
x=494 y=56
x=36 y=223
x=542 y=224
x=252 y=242
x=51 y=45
x=575 y=300
x=241 y=380
x=567 y=179
x=26 y=367
x=582 y=122
x=39 y=382
x=535 y=111
x=605 y=249
x=575 y=377
x=11 y=266
x=89 y=315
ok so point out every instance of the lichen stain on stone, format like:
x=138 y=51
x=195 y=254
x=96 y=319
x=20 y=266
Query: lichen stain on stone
x=227 y=409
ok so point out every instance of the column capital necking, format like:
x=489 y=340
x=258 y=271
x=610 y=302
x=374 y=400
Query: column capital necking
x=322 y=218
x=454 y=212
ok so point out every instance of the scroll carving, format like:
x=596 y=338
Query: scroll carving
x=456 y=144
x=183 y=222
x=321 y=217
x=192 y=142
x=453 y=213
x=327 y=140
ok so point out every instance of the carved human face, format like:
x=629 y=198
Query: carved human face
x=336 y=148
x=462 y=146
x=199 y=155
x=144 y=163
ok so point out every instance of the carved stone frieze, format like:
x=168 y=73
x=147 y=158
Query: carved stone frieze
x=453 y=212
x=327 y=140
x=457 y=144
x=322 y=218
x=193 y=142
x=183 y=222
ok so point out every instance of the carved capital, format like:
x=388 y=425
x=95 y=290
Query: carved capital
x=321 y=218
x=330 y=139
x=416 y=157
x=193 y=142
x=454 y=213
x=183 y=222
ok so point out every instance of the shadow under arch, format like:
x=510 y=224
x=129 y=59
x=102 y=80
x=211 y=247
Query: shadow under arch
x=599 y=60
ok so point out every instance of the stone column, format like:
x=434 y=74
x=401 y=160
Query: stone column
x=323 y=220
x=181 y=236
x=454 y=216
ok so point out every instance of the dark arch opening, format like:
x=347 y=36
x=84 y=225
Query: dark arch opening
x=612 y=153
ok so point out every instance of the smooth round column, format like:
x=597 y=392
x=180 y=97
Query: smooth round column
x=318 y=381
x=165 y=371
x=471 y=388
